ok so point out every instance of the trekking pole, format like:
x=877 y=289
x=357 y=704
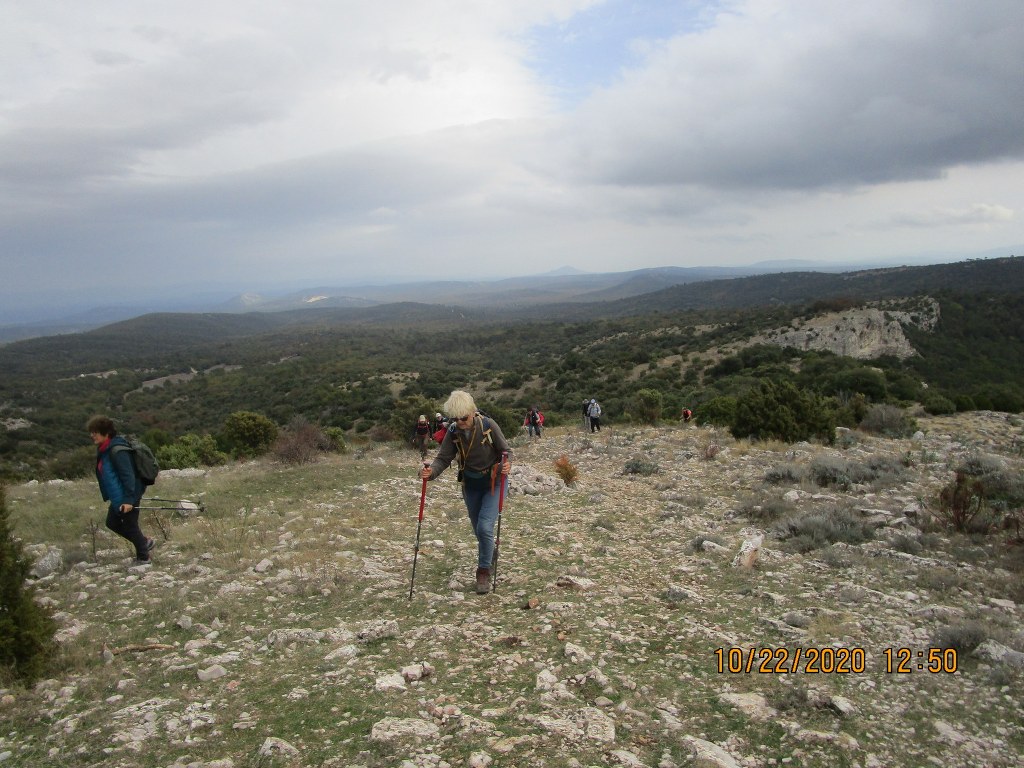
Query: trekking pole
x=497 y=534
x=419 y=522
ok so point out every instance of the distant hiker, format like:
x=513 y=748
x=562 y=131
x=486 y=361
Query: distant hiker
x=534 y=421
x=477 y=442
x=586 y=415
x=119 y=485
x=420 y=436
x=687 y=415
x=594 y=412
x=438 y=427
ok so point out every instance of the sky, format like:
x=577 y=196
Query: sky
x=150 y=148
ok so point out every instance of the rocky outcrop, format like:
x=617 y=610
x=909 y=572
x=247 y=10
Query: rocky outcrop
x=863 y=333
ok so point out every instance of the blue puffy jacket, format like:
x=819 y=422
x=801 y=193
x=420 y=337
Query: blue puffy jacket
x=115 y=473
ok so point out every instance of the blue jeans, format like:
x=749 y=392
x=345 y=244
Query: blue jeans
x=482 y=506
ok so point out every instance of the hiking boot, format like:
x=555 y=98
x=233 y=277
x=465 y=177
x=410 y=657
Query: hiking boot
x=483 y=581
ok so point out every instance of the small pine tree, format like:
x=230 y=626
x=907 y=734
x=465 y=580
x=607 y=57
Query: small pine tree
x=26 y=629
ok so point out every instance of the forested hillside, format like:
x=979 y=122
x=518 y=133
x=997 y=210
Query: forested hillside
x=364 y=370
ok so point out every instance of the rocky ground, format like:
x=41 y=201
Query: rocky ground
x=648 y=615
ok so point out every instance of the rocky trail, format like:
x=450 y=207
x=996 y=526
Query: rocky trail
x=648 y=615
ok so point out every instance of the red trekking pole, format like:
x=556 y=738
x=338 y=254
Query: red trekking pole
x=419 y=522
x=497 y=534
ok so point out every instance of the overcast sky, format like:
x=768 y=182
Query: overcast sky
x=147 y=145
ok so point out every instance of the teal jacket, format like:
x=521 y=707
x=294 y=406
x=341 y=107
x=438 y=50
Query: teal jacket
x=115 y=473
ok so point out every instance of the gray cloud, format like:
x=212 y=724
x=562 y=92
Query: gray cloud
x=345 y=141
x=816 y=94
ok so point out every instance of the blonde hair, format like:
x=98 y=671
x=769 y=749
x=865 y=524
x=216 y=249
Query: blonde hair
x=459 y=403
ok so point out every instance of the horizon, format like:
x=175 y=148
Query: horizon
x=76 y=311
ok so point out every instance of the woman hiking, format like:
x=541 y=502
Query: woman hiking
x=478 y=444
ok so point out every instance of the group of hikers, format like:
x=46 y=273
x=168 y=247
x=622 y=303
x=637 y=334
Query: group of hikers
x=463 y=434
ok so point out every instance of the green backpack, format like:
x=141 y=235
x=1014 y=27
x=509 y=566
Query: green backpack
x=145 y=463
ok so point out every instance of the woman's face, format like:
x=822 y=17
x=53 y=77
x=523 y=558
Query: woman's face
x=97 y=438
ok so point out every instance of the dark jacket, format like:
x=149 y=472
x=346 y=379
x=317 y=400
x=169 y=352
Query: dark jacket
x=477 y=451
x=115 y=473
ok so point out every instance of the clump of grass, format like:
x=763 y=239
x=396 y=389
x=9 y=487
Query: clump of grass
x=765 y=510
x=640 y=466
x=910 y=545
x=939 y=580
x=963 y=638
x=888 y=420
x=784 y=473
x=829 y=471
x=566 y=469
x=820 y=529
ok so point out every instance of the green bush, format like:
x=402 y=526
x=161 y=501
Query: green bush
x=647 y=406
x=719 y=411
x=781 y=411
x=640 y=466
x=336 y=437
x=938 y=405
x=247 y=432
x=191 y=450
x=26 y=629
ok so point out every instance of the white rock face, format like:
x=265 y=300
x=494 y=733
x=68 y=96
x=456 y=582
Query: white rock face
x=863 y=333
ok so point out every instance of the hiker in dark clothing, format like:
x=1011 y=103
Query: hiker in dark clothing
x=478 y=444
x=119 y=485
x=421 y=435
x=533 y=422
x=594 y=411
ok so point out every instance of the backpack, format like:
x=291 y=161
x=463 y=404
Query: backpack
x=595 y=409
x=143 y=460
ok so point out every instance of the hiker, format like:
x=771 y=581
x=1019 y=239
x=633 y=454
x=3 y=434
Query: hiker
x=477 y=443
x=534 y=421
x=586 y=414
x=439 y=423
x=594 y=412
x=119 y=485
x=687 y=415
x=420 y=436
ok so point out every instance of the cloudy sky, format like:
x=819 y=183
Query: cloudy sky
x=150 y=147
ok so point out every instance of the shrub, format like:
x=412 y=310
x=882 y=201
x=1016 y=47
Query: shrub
x=829 y=471
x=784 y=473
x=249 y=433
x=963 y=638
x=821 y=529
x=336 y=437
x=718 y=411
x=647 y=406
x=640 y=466
x=26 y=629
x=566 y=469
x=961 y=501
x=73 y=464
x=300 y=443
x=191 y=451
x=938 y=405
x=765 y=510
x=888 y=420
x=781 y=411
